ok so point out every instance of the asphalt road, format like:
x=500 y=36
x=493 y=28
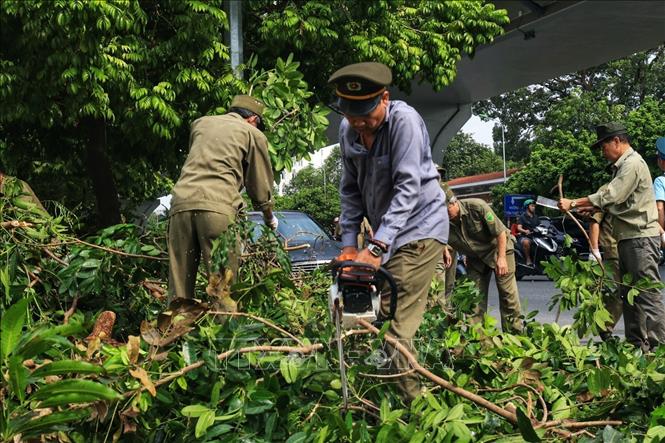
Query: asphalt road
x=535 y=295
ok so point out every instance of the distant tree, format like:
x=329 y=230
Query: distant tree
x=315 y=191
x=626 y=82
x=562 y=146
x=98 y=95
x=464 y=156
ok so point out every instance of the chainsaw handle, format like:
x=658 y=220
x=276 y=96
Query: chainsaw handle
x=338 y=267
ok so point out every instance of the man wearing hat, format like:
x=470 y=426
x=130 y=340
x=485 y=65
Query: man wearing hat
x=629 y=199
x=226 y=153
x=481 y=236
x=388 y=176
x=659 y=183
x=527 y=223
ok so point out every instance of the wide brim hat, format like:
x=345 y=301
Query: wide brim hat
x=359 y=87
x=607 y=130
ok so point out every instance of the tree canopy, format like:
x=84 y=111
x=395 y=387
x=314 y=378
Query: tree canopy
x=99 y=95
x=315 y=191
x=627 y=82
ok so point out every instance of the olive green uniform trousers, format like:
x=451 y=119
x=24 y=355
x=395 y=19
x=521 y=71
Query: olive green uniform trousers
x=446 y=281
x=509 y=299
x=412 y=266
x=190 y=238
x=644 y=320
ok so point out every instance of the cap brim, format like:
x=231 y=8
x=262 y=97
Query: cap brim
x=356 y=108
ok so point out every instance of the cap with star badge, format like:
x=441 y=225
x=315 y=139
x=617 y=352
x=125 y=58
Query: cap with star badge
x=359 y=87
x=250 y=103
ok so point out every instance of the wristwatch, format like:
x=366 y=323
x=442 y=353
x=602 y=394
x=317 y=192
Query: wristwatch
x=375 y=250
x=573 y=203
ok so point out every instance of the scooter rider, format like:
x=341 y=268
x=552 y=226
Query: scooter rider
x=527 y=223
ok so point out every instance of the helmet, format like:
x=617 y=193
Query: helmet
x=527 y=202
x=660 y=147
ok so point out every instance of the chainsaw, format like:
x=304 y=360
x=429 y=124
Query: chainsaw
x=356 y=294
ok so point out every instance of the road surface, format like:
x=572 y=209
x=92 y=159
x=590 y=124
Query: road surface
x=535 y=295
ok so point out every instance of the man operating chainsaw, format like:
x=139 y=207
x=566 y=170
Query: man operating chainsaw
x=388 y=176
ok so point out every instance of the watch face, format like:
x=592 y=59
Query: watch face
x=375 y=250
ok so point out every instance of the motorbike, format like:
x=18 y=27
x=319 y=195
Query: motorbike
x=546 y=241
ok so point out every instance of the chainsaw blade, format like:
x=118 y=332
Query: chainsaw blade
x=340 y=351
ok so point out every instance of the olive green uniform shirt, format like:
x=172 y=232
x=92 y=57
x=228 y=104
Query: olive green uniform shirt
x=629 y=198
x=225 y=154
x=475 y=230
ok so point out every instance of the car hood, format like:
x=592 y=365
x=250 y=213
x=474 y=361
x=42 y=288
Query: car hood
x=321 y=250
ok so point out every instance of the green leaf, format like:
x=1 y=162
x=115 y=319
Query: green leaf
x=18 y=376
x=611 y=435
x=77 y=386
x=67 y=367
x=526 y=428
x=298 y=437
x=289 y=369
x=631 y=295
x=194 y=410
x=67 y=399
x=456 y=412
x=203 y=423
x=11 y=325
x=32 y=427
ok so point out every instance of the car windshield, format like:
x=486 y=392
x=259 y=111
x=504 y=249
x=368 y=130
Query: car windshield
x=294 y=227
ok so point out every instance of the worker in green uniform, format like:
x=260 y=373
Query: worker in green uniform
x=603 y=246
x=476 y=232
x=629 y=199
x=226 y=153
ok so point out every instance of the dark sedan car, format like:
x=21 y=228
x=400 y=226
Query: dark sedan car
x=310 y=245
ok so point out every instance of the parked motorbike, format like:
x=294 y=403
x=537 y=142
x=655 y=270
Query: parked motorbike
x=546 y=241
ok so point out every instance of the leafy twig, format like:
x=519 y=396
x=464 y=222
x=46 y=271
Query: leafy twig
x=511 y=417
x=259 y=319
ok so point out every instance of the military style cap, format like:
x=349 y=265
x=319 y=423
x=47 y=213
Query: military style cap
x=250 y=103
x=359 y=86
x=607 y=130
x=660 y=147
x=450 y=195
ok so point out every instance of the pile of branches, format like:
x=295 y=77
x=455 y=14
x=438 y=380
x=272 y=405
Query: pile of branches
x=89 y=349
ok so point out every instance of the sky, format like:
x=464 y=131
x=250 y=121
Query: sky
x=480 y=131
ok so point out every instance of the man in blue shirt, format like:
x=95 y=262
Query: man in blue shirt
x=388 y=176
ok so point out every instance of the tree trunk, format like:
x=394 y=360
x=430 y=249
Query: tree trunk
x=99 y=171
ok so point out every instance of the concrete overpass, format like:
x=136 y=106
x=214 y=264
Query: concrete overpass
x=545 y=39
